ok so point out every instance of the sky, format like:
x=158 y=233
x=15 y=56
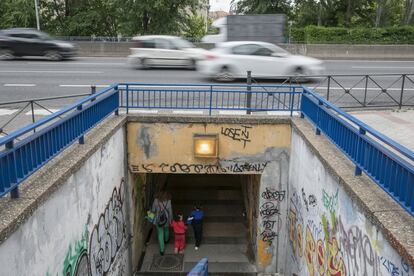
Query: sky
x=220 y=5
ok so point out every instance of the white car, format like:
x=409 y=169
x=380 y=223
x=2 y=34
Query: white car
x=231 y=60
x=163 y=51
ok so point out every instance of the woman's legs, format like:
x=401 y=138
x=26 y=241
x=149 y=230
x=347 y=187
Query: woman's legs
x=161 y=238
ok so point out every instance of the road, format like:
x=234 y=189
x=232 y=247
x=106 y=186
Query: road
x=23 y=79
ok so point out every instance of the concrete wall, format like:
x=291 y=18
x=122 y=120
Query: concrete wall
x=323 y=51
x=81 y=227
x=328 y=233
x=168 y=148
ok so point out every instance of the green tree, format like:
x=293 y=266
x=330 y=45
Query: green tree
x=17 y=13
x=262 y=6
x=194 y=27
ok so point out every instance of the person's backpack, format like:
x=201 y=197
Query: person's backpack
x=163 y=216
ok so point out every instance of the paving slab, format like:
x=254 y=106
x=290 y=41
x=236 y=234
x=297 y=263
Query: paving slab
x=396 y=124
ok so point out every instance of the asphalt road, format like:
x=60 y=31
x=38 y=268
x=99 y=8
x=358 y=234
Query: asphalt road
x=24 y=79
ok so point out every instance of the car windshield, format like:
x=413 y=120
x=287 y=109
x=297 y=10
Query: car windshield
x=181 y=43
x=277 y=50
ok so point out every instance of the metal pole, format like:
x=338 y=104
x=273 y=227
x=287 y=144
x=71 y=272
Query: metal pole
x=366 y=90
x=93 y=91
x=37 y=14
x=249 y=92
x=329 y=88
x=402 y=91
x=33 y=115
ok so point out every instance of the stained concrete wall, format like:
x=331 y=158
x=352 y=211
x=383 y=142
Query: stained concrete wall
x=329 y=234
x=81 y=227
x=168 y=148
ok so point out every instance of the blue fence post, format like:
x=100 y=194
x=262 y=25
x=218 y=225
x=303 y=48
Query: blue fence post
x=82 y=138
x=211 y=100
x=117 y=92
x=360 y=152
x=14 y=193
x=318 y=130
x=292 y=102
x=302 y=114
x=127 y=98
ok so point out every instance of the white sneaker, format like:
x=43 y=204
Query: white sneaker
x=196 y=248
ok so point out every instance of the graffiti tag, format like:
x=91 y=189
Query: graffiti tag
x=241 y=134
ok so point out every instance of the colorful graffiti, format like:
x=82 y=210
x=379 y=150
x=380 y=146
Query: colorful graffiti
x=105 y=242
x=330 y=248
x=76 y=260
x=330 y=201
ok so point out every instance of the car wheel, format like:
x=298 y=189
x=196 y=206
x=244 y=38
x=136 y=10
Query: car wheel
x=6 y=54
x=224 y=75
x=298 y=74
x=53 y=55
x=191 y=64
x=144 y=63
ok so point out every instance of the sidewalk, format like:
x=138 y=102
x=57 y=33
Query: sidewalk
x=396 y=124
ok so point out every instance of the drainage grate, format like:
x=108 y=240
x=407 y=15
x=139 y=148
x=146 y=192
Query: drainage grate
x=168 y=262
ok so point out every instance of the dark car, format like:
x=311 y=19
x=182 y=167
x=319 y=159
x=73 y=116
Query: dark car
x=30 y=42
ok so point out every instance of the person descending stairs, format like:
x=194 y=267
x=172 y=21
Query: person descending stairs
x=224 y=238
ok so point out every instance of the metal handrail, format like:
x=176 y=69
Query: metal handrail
x=400 y=148
x=15 y=134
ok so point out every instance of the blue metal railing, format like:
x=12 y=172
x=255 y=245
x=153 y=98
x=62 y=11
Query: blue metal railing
x=386 y=162
x=22 y=155
x=211 y=97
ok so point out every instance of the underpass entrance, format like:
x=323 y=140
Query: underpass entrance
x=228 y=226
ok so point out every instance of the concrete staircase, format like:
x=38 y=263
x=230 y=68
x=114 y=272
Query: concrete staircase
x=225 y=234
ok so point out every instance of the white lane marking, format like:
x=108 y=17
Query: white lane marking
x=5 y=111
x=77 y=63
x=364 y=61
x=282 y=113
x=188 y=111
x=83 y=85
x=50 y=71
x=41 y=112
x=232 y=112
x=144 y=111
x=382 y=67
x=19 y=84
x=360 y=88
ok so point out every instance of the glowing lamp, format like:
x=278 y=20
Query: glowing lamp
x=205 y=145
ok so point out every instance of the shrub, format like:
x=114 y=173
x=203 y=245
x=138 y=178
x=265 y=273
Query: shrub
x=390 y=35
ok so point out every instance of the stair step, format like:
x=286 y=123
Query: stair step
x=214 y=268
x=199 y=195
x=221 y=230
x=215 y=253
x=211 y=210
x=208 y=187
x=204 y=202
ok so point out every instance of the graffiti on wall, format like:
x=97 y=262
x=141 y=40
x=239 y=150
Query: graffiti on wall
x=108 y=234
x=229 y=167
x=327 y=246
x=97 y=256
x=76 y=259
x=239 y=134
x=271 y=222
